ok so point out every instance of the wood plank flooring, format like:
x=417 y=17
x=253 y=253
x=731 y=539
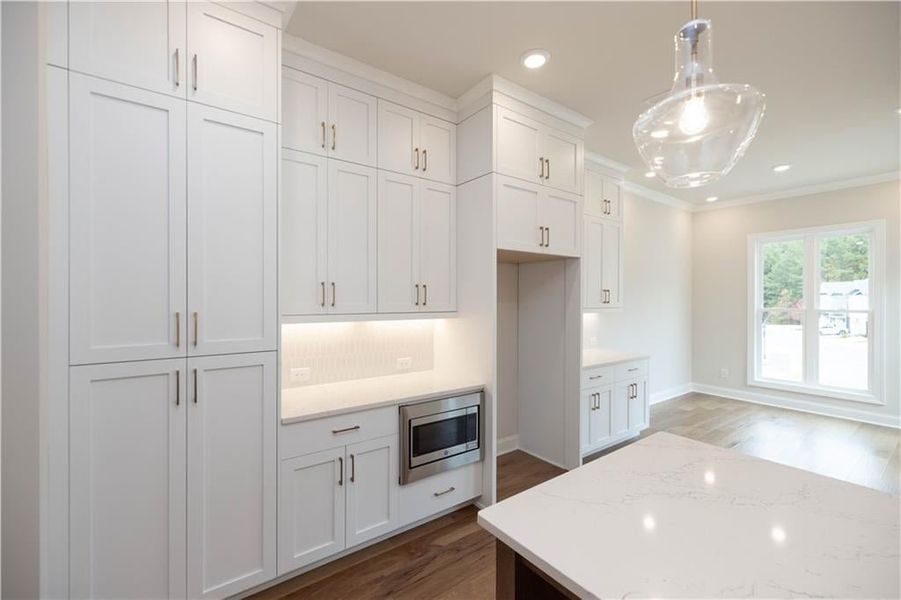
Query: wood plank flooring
x=452 y=558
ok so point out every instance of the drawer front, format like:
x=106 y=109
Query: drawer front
x=431 y=495
x=631 y=369
x=596 y=376
x=297 y=439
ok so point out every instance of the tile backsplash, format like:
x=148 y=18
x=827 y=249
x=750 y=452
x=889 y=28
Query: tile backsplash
x=331 y=352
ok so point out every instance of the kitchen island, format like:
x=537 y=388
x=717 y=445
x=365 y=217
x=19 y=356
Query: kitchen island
x=670 y=517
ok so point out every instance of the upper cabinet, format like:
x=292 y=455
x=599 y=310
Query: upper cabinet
x=413 y=143
x=141 y=44
x=532 y=218
x=197 y=50
x=233 y=61
x=328 y=119
x=533 y=151
x=603 y=195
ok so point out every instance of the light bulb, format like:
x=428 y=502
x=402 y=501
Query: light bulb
x=694 y=118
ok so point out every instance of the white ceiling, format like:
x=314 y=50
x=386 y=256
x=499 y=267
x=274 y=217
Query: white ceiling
x=830 y=70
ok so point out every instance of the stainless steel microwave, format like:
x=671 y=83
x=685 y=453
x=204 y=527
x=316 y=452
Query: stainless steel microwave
x=439 y=435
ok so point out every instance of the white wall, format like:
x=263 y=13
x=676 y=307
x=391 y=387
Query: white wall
x=720 y=281
x=656 y=314
x=507 y=350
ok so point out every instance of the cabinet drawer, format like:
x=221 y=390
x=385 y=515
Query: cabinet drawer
x=596 y=376
x=433 y=494
x=297 y=439
x=631 y=369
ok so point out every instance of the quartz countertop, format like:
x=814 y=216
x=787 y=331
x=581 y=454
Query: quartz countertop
x=596 y=357
x=316 y=401
x=669 y=517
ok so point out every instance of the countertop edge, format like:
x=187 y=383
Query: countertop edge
x=393 y=401
x=615 y=361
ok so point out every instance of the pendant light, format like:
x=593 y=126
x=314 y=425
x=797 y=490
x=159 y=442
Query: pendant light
x=702 y=128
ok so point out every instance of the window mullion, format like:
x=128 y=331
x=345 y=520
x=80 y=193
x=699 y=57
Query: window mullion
x=810 y=326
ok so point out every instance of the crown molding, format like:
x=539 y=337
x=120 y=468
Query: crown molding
x=593 y=158
x=659 y=197
x=808 y=190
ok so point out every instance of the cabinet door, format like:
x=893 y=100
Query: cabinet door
x=231 y=232
x=127 y=462
x=438 y=142
x=592 y=263
x=438 y=244
x=398 y=143
x=304 y=112
x=518 y=146
x=517 y=215
x=138 y=43
x=619 y=410
x=371 y=489
x=564 y=156
x=638 y=405
x=233 y=61
x=352 y=132
x=594 y=194
x=600 y=417
x=613 y=194
x=611 y=270
x=232 y=461
x=127 y=227
x=311 y=508
x=352 y=238
x=398 y=243
x=303 y=224
x=561 y=215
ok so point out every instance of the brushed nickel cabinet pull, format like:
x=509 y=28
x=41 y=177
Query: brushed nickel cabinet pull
x=595 y=376
x=195 y=73
x=345 y=430
x=353 y=468
x=416 y=159
x=548 y=161
x=541 y=236
x=177 y=329
x=322 y=296
x=547 y=244
x=340 y=471
x=417 y=294
x=334 y=295
x=425 y=159
x=177 y=69
x=177 y=387
x=322 y=123
x=334 y=136
x=425 y=294
x=633 y=369
x=541 y=164
x=447 y=491
x=195 y=386
x=196 y=319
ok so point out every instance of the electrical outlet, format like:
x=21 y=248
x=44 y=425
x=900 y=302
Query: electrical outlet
x=404 y=363
x=299 y=375
x=724 y=373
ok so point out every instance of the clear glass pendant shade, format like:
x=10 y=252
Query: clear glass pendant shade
x=702 y=128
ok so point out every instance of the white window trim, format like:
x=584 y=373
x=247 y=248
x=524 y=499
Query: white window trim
x=877 y=329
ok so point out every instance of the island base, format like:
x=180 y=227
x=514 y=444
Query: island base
x=518 y=579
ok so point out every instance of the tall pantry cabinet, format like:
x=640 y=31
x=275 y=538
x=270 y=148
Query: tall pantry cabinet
x=172 y=266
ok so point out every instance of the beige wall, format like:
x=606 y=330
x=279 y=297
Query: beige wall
x=656 y=314
x=720 y=294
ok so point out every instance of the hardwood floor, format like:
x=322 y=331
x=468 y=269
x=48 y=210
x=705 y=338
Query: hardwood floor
x=452 y=558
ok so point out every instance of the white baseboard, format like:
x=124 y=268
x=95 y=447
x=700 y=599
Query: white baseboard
x=782 y=401
x=670 y=393
x=508 y=444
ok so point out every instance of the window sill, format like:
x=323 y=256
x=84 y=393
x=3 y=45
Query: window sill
x=821 y=391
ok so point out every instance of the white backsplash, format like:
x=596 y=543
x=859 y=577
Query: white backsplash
x=355 y=350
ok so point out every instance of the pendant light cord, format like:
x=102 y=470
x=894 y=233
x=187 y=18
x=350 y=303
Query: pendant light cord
x=694 y=9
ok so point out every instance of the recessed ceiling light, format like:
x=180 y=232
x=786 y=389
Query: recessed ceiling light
x=650 y=174
x=781 y=168
x=535 y=59
x=712 y=198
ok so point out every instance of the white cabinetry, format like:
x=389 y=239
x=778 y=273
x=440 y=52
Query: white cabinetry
x=530 y=150
x=328 y=119
x=603 y=195
x=413 y=143
x=371 y=500
x=533 y=218
x=614 y=403
x=232 y=479
x=602 y=263
x=417 y=245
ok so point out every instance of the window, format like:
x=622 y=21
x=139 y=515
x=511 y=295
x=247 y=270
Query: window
x=815 y=310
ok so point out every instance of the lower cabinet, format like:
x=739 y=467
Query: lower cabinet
x=172 y=477
x=336 y=499
x=615 y=411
